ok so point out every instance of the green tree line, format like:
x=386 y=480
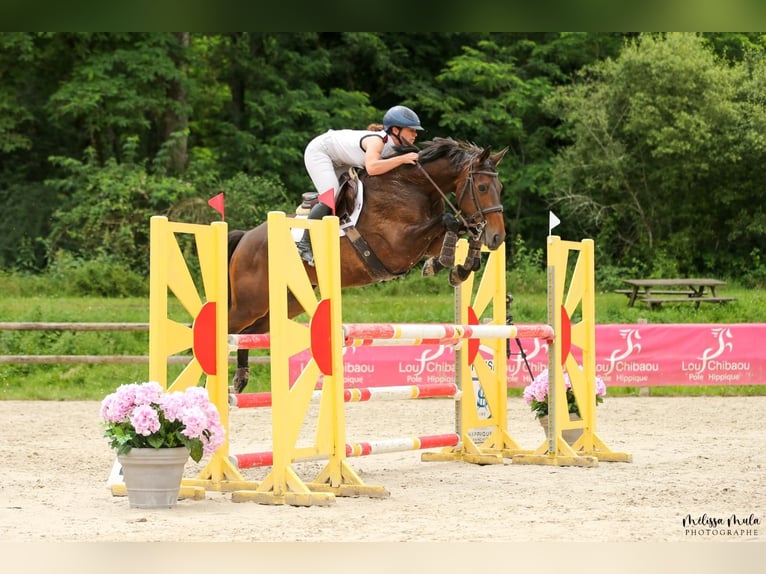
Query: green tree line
x=652 y=144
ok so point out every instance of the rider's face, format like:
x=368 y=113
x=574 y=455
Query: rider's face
x=407 y=136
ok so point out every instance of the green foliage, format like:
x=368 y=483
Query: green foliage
x=121 y=85
x=526 y=270
x=247 y=200
x=101 y=276
x=661 y=141
x=752 y=272
x=24 y=219
x=109 y=208
x=483 y=96
x=651 y=144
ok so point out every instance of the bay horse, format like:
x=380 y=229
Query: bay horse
x=404 y=220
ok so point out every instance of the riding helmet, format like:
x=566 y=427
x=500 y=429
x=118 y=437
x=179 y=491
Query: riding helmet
x=401 y=117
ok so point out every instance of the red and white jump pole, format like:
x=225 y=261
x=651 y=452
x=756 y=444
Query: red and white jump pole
x=266 y=458
x=443 y=331
x=385 y=334
x=393 y=393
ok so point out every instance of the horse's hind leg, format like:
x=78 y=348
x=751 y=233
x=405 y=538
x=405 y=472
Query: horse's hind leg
x=242 y=373
x=262 y=325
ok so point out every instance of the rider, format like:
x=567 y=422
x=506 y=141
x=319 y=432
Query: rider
x=333 y=152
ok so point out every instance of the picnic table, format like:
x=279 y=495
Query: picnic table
x=655 y=292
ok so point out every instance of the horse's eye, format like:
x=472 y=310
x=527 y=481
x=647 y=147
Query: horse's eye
x=483 y=187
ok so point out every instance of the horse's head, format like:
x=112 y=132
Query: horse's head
x=469 y=172
x=478 y=197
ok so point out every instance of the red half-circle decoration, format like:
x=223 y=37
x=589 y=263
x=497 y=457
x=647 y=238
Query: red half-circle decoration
x=566 y=334
x=321 y=349
x=473 y=344
x=203 y=330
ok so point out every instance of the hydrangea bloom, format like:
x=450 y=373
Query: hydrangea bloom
x=145 y=420
x=143 y=415
x=536 y=394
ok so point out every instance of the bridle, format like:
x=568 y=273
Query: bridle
x=477 y=221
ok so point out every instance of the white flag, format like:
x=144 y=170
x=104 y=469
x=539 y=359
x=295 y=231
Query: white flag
x=553 y=221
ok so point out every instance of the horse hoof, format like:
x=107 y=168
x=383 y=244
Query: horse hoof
x=241 y=377
x=429 y=269
x=456 y=277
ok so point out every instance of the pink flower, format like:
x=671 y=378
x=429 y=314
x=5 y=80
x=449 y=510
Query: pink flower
x=145 y=419
x=116 y=407
x=148 y=393
x=144 y=415
x=600 y=387
x=197 y=396
x=195 y=421
x=215 y=440
x=536 y=393
x=172 y=405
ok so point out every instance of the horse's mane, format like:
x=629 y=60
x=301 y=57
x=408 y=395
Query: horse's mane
x=456 y=151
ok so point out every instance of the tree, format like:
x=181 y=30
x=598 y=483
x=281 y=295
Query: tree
x=660 y=139
x=123 y=86
x=492 y=93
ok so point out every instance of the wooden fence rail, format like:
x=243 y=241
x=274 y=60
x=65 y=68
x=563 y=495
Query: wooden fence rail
x=92 y=359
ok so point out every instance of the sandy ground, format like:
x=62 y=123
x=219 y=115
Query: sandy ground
x=697 y=457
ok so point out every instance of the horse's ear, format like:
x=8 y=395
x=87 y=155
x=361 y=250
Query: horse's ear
x=499 y=155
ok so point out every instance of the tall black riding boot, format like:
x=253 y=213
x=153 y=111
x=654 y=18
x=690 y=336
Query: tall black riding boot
x=304 y=245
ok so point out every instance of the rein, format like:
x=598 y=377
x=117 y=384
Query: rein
x=475 y=228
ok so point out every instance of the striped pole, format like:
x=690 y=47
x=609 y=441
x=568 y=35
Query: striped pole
x=256 y=341
x=438 y=331
x=266 y=458
x=350 y=342
x=398 y=334
x=393 y=393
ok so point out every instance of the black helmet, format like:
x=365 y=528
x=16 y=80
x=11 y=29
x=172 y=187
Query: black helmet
x=401 y=117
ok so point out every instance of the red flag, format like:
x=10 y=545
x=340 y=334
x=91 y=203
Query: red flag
x=217 y=203
x=328 y=198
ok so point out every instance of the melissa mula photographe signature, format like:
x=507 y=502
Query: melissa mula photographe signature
x=731 y=525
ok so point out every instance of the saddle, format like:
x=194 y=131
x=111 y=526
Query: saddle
x=344 y=205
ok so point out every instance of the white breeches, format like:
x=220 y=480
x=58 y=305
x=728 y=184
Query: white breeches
x=320 y=167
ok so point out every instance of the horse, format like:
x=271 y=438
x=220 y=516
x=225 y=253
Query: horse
x=404 y=220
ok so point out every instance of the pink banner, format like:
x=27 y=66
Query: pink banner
x=626 y=356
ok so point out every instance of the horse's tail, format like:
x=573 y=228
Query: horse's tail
x=235 y=236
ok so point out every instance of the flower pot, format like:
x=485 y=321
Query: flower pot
x=570 y=435
x=153 y=475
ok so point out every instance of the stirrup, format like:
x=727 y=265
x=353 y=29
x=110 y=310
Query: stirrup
x=306 y=253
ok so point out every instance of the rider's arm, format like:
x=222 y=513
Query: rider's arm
x=375 y=164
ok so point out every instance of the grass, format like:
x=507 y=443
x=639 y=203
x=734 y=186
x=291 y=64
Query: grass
x=412 y=299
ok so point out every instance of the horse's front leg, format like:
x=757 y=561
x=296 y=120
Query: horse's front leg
x=472 y=263
x=446 y=257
